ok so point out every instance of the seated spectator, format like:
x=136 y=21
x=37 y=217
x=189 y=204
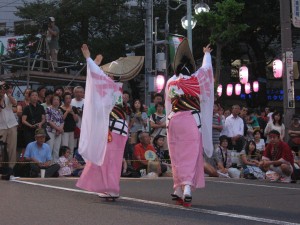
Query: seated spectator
x=67 y=163
x=277 y=160
x=39 y=153
x=250 y=162
x=162 y=155
x=224 y=160
x=139 y=151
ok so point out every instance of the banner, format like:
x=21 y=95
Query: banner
x=296 y=12
x=174 y=41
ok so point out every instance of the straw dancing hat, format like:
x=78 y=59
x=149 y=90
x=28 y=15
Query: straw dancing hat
x=125 y=67
x=184 y=51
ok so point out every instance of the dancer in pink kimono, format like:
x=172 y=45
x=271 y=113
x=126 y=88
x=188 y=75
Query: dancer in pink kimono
x=103 y=131
x=189 y=107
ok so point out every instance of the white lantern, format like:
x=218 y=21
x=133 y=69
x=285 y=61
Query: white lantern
x=238 y=89
x=255 y=86
x=243 y=73
x=160 y=83
x=229 y=89
x=277 y=68
x=219 y=90
x=247 y=88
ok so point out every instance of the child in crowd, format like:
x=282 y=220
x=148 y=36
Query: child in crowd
x=67 y=164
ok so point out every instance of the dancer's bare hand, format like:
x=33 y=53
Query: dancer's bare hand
x=98 y=59
x=85 y=51
x=207 y=49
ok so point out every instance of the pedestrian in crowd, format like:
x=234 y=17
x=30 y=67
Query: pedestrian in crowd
x=33 y=117
x=275 y=124
x=55 y=126
x=243 y=114
x=68 y=165
x=158 y=97
x=158 y=122
x=294 y=134
x=217 y=126
x=277 y=160
x=138 y=121
x=158 y=144
x=48 y=97
x=262 y=121
x=20 y=107
x=52 y=37
x=41 y=90
x=234 y=129
x=250 y=158
x=78 y=102
x=8 y=122
x=259 y=142
x=59 y=90
x=39 y=154
x=104 y=148
x=70 y=116
x=187 y=93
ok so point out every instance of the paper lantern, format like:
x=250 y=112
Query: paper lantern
x=255 y=86
x=219 y=90
x=277 y=68
x=238 y=89
x=160 y=82
x=229 y=89
x=247 y=88
x=243 y=73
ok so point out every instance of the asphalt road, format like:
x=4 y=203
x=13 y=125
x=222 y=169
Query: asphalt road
x=143 y=201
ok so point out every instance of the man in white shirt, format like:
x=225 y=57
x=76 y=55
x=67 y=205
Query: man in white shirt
x=8 y=122
x=234 y=129
x=78 y=102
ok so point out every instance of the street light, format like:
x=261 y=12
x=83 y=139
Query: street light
x=201 y=7
x=184 y=22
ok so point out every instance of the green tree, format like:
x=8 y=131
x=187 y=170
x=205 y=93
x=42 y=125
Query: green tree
x=223 y=22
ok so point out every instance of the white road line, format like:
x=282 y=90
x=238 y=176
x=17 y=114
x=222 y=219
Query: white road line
x=205 y=211
x=256 y=185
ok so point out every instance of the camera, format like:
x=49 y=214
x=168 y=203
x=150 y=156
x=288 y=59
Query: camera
x=4 y=86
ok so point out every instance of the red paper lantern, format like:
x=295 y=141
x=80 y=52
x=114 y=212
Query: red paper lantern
x=277 y=68
x=160 y=82
x=238 y=89
x=255 y=86
x=229 y=89
x=247 y=88
x=219 y=90
x=243 y=73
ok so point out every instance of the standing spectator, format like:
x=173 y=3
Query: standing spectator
x=234 y=129
x=262 y=121
x=216 y=125
x=70 y=116
x=8 y=122
x=243 y=114
x=52 y=39
x=278 y=158
x=158 y=121
x=39 y=153
x=59 y=90
x=55 y=126
x=20 y=107
x=275 y=124
x=138 y=120
x=128 y=148
x=294 y=134
x=78 y=102
x=33 y=117
x=269 y=113
x=48 y=97
x=41 y=90
x=158 y=97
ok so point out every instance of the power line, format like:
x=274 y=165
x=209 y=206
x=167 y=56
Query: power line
x=2 y=6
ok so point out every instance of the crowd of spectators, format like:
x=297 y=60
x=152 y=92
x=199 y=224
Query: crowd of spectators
x=243 y=138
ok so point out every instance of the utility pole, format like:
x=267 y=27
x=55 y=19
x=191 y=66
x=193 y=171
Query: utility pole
x=148 y=48
x=189 y=27
x=287 y=59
